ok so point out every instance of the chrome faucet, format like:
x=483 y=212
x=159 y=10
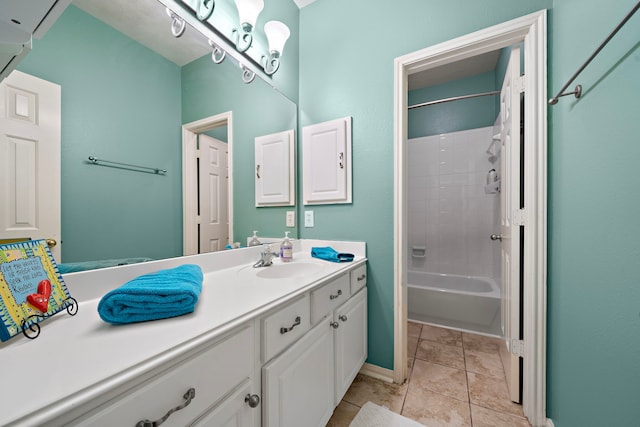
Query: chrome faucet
x=266 y=258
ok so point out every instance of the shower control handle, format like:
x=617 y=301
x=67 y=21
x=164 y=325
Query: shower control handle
x=496 y=237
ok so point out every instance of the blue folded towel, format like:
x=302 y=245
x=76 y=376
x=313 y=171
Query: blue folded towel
x=165 y=293
x=329 y=254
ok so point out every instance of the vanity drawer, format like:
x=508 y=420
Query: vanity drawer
x=358 y=278
x=212 y=373
x=285 y=326
x=328 y=297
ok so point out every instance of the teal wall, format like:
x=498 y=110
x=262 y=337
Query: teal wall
x=593 y=370
x=209 y=89
x=358 y=81
x=456 y=115
x=593 y=352
x=120 y=102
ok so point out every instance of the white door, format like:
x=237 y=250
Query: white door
x=213 y=206
x=510 y=197
x=30 y=159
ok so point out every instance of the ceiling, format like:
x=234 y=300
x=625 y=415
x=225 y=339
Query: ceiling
x=147 y=22
x=454 y=71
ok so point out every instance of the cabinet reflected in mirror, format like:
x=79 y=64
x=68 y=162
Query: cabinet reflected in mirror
x=123 y=102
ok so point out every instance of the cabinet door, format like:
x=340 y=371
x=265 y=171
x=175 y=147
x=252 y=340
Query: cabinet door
x=232 y=412
x=298 y=385
x=326 y=162
x=274 y=173
x=350 y=341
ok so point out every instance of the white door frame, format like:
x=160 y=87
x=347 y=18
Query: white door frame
x=533 y=31
x=190 y=133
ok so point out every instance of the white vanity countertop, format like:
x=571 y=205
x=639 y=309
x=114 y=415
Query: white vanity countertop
x=77 y=358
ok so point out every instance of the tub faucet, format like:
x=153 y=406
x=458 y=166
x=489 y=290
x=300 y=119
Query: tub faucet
x=266 y=258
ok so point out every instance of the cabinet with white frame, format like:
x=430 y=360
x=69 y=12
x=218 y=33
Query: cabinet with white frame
x=326 y=162
x=328 y=357
x=275 y=169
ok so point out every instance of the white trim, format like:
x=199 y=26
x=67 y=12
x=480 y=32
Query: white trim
x=377 y=372
x=532 y=30
x=549 y=423
x=189 y=183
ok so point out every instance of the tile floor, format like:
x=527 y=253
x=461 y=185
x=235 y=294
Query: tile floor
x=456 y=379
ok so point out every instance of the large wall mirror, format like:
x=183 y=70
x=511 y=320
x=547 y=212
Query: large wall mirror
x=125 y=101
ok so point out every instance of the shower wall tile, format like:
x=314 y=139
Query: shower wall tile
x=449 y=212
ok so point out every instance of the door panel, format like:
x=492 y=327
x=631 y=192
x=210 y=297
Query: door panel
x=213 y=194
x=30 y=119
x=510 y=206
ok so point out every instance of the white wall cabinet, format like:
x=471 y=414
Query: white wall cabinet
x=326 y=162
x=275 y=169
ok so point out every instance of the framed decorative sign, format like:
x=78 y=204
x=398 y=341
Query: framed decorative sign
x=31 y=288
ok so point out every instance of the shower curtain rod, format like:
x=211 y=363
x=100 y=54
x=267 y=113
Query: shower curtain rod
x=455 y=98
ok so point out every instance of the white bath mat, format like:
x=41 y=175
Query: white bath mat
x=372 y=415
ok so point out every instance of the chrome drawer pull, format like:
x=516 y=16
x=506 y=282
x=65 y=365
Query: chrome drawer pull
x=332 y=297
x=188 y=397
x=296 y=323
x=361 y=278
x=343 y=317
x=334 y=325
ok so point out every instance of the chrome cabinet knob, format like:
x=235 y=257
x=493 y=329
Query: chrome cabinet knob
x=334 y=325
x=496 y=237
x=343 y=317
x=253 y=400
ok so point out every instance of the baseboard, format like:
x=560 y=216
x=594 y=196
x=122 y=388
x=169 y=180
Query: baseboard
x=377 y=372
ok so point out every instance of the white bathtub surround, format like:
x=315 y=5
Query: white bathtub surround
x=450 y=215
x=470 y=304
x=85 y=360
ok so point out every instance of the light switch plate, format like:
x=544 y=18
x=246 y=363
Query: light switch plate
x=308 y=218
x=291 y=219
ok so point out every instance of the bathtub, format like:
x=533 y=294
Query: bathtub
x=461 y=302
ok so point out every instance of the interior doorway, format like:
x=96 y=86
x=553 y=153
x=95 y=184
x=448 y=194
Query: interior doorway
x=531 y=31
x=207 y=184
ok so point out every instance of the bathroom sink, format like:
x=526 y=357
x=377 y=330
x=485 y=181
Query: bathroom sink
x=282 y=270
x=288 y=270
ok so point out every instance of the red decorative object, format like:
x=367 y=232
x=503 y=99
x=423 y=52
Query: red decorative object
x=40 y=300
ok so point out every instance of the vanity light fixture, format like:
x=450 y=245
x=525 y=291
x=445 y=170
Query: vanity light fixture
x=277 y=35
x=178 y=25
x=275 y=32
x=248 y=11
x=204 y=9
x=218 y=54
x=247 y=74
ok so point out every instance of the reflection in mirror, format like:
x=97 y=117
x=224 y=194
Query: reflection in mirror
x=123 y=102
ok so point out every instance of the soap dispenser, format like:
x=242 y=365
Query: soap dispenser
x=254 y=241
x=286 y=248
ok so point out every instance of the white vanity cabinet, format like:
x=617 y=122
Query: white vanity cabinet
x=350 y=338
x=303 y=385
x=298 y=385
x=214 y=381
